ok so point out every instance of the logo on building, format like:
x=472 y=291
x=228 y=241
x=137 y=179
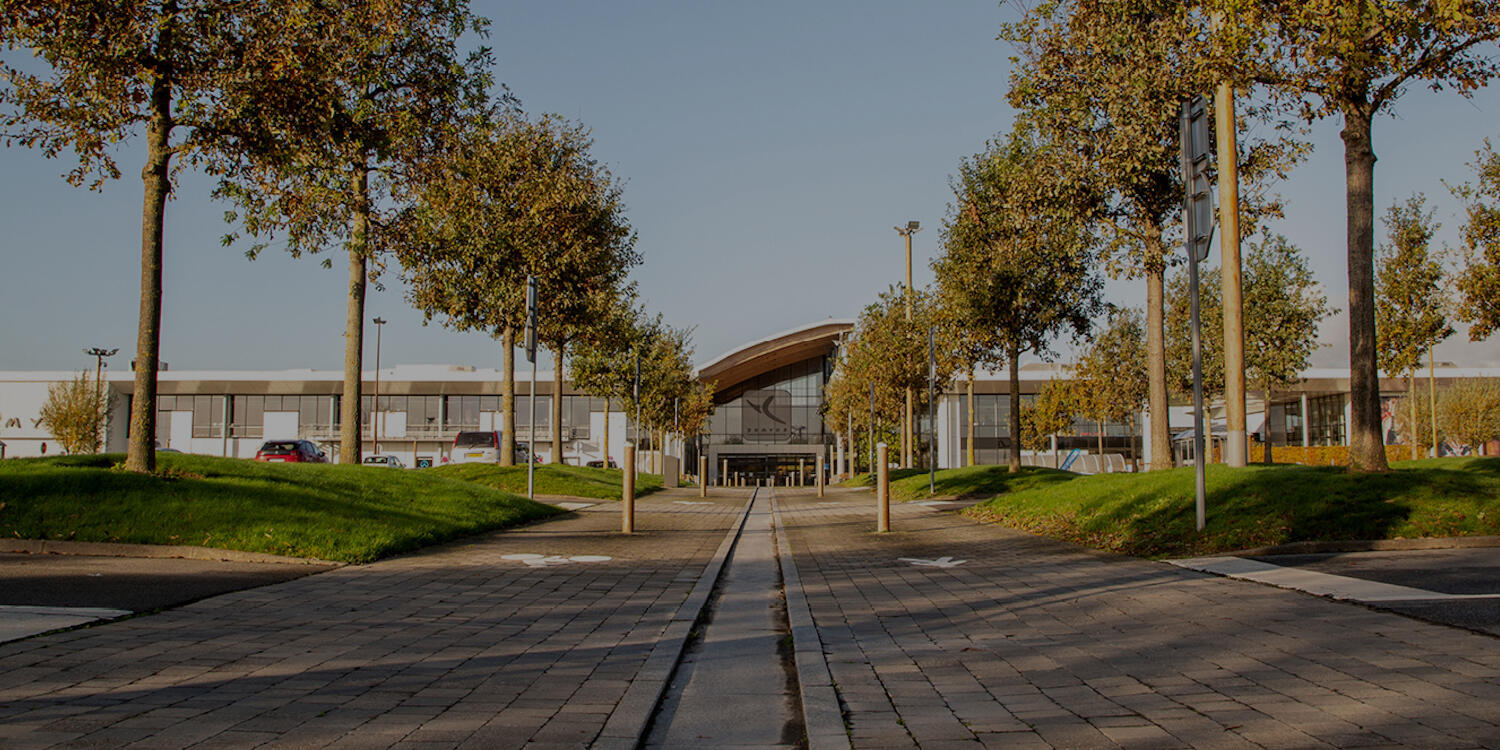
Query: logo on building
x=767 y=416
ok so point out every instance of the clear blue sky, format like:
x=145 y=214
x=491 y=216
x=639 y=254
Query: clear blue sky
x=768 y=150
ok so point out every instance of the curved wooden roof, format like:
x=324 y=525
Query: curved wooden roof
x=768 y=354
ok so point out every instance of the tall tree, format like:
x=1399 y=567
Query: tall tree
x=1050 y=414
x=1353 y=60
x=1410 y=305
x=604 y=363
x=90 y=76
x=1017 y=266
x=1478 y=281
x=1283 y=307
x=1107 y=77
x=382 y=88
x=1111 y=374
x=489 y=211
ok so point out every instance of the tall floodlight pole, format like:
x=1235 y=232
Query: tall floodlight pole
x=375 y=412
x=99 y=354
x=531 y=397
x=932 y=409
x=1198 y=212
x=1236 y=447
x=907 y=426
x=872 y=426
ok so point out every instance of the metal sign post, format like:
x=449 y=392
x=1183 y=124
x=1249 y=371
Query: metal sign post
x=1198 y=211
x=531 y=357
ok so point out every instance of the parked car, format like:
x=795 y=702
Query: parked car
x=482 y=447
x=393 y=462
x=290 y=451
x=600 y=464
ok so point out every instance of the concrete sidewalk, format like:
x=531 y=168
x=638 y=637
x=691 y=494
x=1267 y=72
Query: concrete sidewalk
x=529 y=636
x=946 y=633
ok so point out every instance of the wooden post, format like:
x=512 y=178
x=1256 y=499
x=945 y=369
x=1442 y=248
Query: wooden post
x=818 y=470
x=703 y=476
x=627 y=493
x=883 y=487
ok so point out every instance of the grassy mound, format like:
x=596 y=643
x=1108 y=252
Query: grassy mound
x=552 y=479
x=347 y=513
x=1152 y=514
x=968 y=482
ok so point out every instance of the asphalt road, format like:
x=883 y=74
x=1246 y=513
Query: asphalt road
x=132 y=583
x=1469 y=572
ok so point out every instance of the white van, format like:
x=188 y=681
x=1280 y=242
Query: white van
x=481 y=448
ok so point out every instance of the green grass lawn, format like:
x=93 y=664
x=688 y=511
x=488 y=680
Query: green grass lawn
x=332 y=512
x=552 y=479
x=1152 y=514
x=968 y=482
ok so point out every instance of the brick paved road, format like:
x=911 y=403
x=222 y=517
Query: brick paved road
x=1032 y=643
x=455 y=647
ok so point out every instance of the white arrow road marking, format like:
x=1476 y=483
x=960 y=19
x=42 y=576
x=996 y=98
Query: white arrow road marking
x=546 y=561
x=945 y=561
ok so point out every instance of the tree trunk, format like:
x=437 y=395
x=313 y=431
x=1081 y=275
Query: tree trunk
x=604 y=445
x=508 y=397
x=557 y=388
x=141 y=446
x=1101 y=444
x=1266 y=426
x=1156 y=360
x=970 y=451
x=1411 y=395
x=351 y=431
x=1366 y=444
x=1015 y=407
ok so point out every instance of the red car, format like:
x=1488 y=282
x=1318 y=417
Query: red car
x=290 y=451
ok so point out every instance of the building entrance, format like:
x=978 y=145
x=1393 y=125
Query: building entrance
x=782 y=468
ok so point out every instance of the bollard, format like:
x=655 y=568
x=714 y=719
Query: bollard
x=627 y=492
x=703 y=476
x=819 y=470
x=724 y=474
x=801 y=467
x=883 y=487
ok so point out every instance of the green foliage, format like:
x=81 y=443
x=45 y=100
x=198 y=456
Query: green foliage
x=552 y=479
x=1409 y=300
x=886 y=350
x=74 y=413
x=1151 y=515
x=1469 y=411
x=1282 y=305
x=1050 y=414
x=1402 y=411
x=1111 y=374
x=1017 y=267
x=333 y=512
x=966 y=483
x=1478 y=281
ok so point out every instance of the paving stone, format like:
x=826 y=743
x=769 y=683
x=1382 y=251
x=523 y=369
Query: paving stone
x=1076 y=648
x=430 y=649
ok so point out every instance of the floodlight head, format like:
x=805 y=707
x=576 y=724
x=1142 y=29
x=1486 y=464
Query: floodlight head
x=378 y=321
x=912 y=226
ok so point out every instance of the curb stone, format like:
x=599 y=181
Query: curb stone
x=161 y=551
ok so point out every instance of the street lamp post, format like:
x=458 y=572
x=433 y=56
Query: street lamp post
x=99 y=354
x=907 y=431
x=375 y=411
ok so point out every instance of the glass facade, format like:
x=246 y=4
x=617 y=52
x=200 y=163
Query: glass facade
x=780 y=407
x=1325 y=420
x=992 y=430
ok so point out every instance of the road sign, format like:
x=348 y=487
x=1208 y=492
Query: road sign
x=531 y=319
x=1195 y=163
